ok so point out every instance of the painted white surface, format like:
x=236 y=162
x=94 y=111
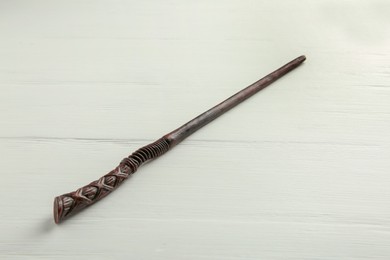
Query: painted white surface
x=299 y=171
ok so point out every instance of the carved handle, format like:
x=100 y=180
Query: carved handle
x=71 y=203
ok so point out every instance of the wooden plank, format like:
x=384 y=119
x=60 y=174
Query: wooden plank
x=299 y=171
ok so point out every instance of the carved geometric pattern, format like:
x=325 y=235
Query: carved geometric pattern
x=70 y=203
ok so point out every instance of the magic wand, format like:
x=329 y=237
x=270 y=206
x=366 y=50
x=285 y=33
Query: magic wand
x=70 y=203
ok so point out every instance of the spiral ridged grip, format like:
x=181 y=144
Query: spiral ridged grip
x=70 y=203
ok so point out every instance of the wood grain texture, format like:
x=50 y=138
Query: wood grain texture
x=300 y=171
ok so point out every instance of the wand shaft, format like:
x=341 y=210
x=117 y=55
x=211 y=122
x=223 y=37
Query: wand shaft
x=68 y=204
x=198 y=122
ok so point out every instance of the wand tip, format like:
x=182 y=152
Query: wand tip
x=301 y=58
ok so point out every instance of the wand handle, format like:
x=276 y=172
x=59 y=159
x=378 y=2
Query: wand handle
x=70 y=203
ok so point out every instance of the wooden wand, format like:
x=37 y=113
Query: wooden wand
x=70 y=203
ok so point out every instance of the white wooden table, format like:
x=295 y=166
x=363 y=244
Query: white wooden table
x=299 y=171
